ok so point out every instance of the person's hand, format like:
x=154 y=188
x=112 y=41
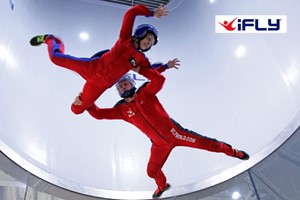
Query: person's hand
x=173 y=63
x=77 y=100
x=161 y=11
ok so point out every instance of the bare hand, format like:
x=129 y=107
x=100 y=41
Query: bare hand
x=161 y=11
x=173 y=63
x=77 y=100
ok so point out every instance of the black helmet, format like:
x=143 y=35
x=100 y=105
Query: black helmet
x=141 y=31
x=126 y=93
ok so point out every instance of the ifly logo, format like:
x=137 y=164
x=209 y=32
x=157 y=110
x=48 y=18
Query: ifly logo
x=251 y=23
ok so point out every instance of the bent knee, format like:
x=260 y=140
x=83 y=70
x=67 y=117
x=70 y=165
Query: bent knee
x=151 y=173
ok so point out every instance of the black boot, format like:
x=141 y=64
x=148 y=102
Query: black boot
x=38 y=40
x=241 y=154
x=158 y=192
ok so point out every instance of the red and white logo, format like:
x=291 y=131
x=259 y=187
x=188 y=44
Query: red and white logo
x=251 y=23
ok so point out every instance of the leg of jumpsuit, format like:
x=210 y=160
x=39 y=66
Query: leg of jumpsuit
x=190 y=138
x=86 y=67
x=158 y=157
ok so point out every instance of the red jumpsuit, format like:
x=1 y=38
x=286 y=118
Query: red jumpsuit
x=102 y=72
x=148 y=114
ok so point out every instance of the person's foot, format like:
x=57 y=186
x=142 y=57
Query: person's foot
x=240 y=154
x=38 y=40
x=158 y=192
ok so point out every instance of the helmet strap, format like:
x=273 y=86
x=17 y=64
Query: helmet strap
x=138 y=43
x=128 y=93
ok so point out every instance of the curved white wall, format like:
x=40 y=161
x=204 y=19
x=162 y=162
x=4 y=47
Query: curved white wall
x=245 y=101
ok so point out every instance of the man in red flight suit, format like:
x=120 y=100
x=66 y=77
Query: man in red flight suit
x=102 y=72
x=143 y=109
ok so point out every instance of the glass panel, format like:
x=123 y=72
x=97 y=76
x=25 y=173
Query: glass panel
x=264 y=191
x=10 y=188
x=239 y=187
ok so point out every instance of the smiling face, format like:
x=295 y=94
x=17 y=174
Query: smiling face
x=147 y=42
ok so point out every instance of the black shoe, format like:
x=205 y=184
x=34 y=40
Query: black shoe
x=159 y=192
x=240 y=155
x=38 y=40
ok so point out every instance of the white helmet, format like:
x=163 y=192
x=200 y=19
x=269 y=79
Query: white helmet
x=126 y=93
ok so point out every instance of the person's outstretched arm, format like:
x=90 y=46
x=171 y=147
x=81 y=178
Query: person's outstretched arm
x=104 y=113
x=129 y=17
x=156 y=79
x=100 y=113
x=160 y=67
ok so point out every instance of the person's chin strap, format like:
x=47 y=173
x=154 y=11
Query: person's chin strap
x=139 y=43
x=128 y=93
